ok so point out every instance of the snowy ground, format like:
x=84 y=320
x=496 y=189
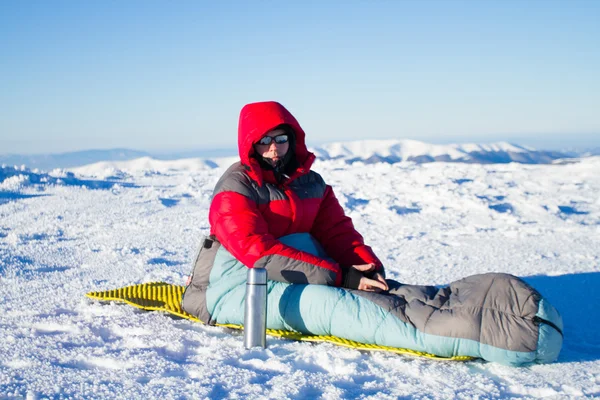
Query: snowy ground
x=110 y=225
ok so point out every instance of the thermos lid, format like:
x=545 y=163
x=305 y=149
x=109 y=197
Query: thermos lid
x=257 y=276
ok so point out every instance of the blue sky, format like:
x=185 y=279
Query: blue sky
x=173 y=75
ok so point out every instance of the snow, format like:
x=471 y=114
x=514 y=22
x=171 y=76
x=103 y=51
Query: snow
x=405 y=149
x=107 y=225
x=148 y=165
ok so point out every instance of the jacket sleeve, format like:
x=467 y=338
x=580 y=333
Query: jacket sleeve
x=240 y=227
x=335 y=231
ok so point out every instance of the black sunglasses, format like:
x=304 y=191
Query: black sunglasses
x=279 y=139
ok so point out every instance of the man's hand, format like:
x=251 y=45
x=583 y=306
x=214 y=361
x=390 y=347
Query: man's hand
x=379 y=278
x=375 y=284
x=372 y=285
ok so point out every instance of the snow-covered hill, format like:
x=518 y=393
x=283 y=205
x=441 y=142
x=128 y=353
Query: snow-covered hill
x=49 y=162
x=595 y=151
x=366 y=151
x=70 y=159
x=67 y=232
x=393 y=151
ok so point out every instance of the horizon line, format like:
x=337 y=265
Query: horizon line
x=233 y=147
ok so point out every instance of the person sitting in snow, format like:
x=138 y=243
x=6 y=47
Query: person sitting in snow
x=272 y=192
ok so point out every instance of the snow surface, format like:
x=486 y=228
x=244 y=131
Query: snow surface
x=366 y=150
x=405 y=149
x=65 y=233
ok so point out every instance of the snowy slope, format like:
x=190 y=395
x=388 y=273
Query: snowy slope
x=70 y=159
x=409 y=148
x=392 y=151
x=367 y=151
x=107 y=225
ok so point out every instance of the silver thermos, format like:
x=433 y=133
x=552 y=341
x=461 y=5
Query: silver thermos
x=255 y=317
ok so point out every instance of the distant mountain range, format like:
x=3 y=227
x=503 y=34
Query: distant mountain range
x=69 y=160
x=393 y=151
x=49 y=162
x=585 y=153
x=367 y=151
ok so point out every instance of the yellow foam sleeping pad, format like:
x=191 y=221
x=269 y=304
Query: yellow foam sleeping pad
x=162 y=296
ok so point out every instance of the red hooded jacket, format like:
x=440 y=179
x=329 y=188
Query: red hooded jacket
x=250 y=210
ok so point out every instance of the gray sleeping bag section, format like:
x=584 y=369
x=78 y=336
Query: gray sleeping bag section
x=497 y=317
x=494 y=316
x=472 y=308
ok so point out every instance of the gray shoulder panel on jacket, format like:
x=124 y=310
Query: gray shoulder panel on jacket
x=236 y=180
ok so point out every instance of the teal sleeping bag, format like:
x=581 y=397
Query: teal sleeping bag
x=494 y=316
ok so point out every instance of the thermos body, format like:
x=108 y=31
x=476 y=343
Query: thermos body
x=255 y=316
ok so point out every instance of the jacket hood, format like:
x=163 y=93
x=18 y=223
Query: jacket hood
x=256 y=119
